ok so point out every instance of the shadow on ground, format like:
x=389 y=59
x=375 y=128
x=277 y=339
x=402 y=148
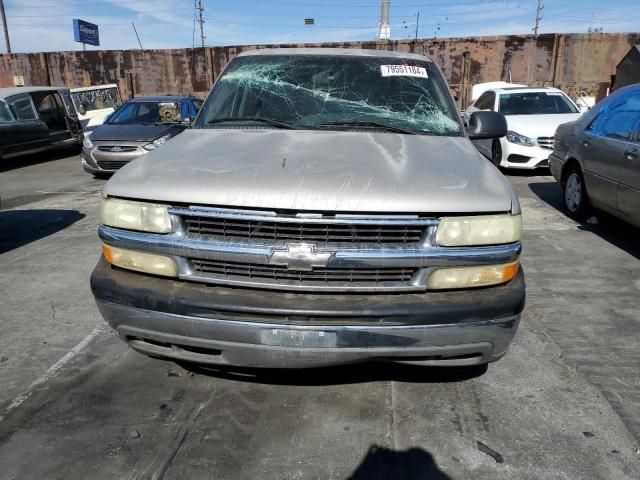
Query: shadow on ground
x=36 y=158
x=615 y=231
x=382 y=463
x=346 y=374
x=20 y=227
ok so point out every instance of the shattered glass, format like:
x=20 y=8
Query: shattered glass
x=314 y=91
x=96 y=99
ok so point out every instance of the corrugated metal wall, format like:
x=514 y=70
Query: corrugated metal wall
x=573 y=62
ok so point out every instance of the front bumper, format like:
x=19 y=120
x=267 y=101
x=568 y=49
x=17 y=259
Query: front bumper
x=522 y=156
x=95 y=161
x=252 y=328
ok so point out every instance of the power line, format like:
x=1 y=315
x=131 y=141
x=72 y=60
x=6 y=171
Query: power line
x=70 y=15
x=82 y=4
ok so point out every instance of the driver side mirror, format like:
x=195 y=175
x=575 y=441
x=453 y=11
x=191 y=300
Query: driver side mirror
x=486 y=124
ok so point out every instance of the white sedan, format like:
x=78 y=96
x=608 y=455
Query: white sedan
x=532 y=114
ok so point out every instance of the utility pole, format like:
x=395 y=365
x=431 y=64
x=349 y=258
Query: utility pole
x=200 y=20
x=417 y=25
x=4 y=24
x=538 y=16
x=384 y=32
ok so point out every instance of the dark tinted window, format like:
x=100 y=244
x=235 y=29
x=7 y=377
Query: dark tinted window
x=316 y=91
x=5 y=113
x=535 y=103
x=618 y=119
x=24 y=110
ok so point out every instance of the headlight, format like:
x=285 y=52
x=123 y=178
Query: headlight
x=472 y=277
x=518 y=139
x=145 y=217
x=140 y=261
x=157 y=143
x=86 y=142
x=479 y=230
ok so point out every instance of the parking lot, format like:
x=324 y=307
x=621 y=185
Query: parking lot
x=77 y=403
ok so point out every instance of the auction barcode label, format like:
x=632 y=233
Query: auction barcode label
x=403 y=71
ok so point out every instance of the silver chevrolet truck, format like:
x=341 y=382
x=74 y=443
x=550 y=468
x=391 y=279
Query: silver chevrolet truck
x=327 y=207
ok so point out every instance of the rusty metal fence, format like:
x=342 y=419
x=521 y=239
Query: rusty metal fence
x=572 y=62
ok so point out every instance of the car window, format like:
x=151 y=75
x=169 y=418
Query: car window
x=618 y=120
x=535 y=103
x=145 y=113
x=23 y=110
x=325 y=91
x=5 y=113
x=66 y=97
x=486 y=101
x=96 y=99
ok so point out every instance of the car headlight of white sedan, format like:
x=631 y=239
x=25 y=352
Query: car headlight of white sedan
x=514 y=137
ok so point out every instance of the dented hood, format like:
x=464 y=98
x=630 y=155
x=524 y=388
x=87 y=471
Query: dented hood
x=317 y=171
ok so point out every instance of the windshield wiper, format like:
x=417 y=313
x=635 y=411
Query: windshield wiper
x=364 y=123
x=268 y=121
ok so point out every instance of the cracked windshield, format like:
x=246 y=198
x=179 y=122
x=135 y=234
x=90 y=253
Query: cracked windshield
x=321 y=92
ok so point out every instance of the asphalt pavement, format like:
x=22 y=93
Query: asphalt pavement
x=77 y=403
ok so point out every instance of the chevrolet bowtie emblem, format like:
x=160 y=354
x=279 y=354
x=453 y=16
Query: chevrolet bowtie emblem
x=301 y=257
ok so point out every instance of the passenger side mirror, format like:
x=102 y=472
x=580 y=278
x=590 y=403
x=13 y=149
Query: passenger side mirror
x=486 y=124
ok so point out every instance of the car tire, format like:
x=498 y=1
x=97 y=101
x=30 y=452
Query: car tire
x=574 y=194
x=496 y=153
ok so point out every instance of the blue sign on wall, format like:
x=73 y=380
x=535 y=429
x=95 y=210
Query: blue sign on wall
x=85 y=32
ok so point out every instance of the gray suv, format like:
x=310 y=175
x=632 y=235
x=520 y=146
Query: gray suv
x=328 y=207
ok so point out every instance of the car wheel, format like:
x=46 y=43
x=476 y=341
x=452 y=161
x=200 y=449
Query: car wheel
x=496 y=153
x=574 y=194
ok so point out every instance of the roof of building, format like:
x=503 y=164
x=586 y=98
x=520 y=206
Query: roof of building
x=632 y=50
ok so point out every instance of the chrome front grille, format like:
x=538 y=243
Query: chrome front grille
x=545 y=142
x=302 y=251
x=318 y=233
x=279 y=275
x=116 y=148
x=269 y=228
x=111 y=164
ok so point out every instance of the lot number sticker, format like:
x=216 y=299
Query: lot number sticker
x=403 y=71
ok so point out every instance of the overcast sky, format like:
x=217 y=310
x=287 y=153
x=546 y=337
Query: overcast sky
x=46 y=25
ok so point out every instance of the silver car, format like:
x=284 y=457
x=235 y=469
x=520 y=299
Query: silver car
x=596 y=159
x=328 y=207
x=137 y=127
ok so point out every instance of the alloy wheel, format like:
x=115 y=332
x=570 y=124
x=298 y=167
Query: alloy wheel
x=573 y=192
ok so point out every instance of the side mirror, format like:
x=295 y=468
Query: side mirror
x=484 y=125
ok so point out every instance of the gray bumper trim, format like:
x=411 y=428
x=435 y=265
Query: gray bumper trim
x=252 y=344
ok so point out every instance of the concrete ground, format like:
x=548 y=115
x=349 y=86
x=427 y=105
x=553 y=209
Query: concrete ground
x=76 y=403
